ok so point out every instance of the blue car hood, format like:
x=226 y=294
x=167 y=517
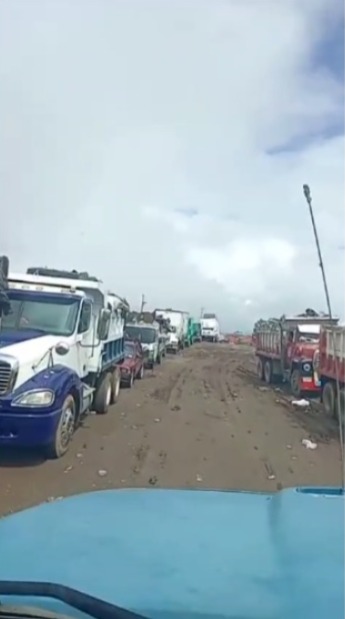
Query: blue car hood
x=178 y=554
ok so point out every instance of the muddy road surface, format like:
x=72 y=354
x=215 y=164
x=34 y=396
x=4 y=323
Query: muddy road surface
x=201 y=420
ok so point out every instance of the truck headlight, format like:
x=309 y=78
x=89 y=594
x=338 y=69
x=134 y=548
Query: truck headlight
x=34 y=398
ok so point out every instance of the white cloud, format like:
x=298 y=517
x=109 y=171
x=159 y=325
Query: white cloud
x=116 y=118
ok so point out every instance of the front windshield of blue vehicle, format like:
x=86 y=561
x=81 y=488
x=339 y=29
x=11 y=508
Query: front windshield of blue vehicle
x=52 y=314
x=144 y=334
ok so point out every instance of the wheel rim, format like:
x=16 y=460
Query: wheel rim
x=328 y=402
x=108 y=398
x=267 y=372
x=259 y=368
x=342 y=408
x=67 y=426
x=295 y=383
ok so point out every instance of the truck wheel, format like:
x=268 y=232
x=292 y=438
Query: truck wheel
x=328 y=400
x=131 y=381
x=140 y=374
x=116 y=385
x=260 y=369
x=268 y=372
x=64 y=430
x=342 y=407
x=103 y=395
x=295 y=383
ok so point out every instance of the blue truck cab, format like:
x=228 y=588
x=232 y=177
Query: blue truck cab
x=60 y=347
x=176 y=554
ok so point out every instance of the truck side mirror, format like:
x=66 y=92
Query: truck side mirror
x=4 y=267
x=103 y=324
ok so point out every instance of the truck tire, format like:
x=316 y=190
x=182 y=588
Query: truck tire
x=295 y=383
x=116 y=385
x=268 y=375
x=140 y=374
x=103 y=395
x=329 y=399
x=260 y=368
x=131 y=381
x=342 y=407
x=64 y=430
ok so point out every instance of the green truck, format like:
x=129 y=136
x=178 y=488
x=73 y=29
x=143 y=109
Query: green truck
x=196 y=331
x=188 y=334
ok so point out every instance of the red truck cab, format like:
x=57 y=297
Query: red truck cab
x=132 y=367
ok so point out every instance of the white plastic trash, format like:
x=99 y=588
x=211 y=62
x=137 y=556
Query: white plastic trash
x=309 y=444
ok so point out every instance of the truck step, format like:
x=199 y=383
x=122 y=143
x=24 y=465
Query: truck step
x=87 y=397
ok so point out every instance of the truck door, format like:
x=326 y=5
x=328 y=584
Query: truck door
x=85 y=338
x=289 y=349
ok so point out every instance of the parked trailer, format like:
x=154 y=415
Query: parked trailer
x=60 y=348
x=285 y=350
x=329 y=364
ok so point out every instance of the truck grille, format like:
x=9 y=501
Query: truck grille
x=5 y=377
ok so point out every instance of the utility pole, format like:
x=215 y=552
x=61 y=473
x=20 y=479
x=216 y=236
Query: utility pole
x=307 y=195
x=143 y=303
x=202 y=312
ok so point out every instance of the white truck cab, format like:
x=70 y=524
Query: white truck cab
x=60 y=347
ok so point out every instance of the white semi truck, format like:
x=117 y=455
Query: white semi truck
x=210 y=330
x=178 y=324
x=60 y=346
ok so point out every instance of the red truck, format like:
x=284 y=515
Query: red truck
x=132 y=366
x=285 y=350
x=329 y=364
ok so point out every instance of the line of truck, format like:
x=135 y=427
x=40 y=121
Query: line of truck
x=308 y=353
x=66 y=347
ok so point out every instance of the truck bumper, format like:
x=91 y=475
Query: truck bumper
x=28 y=430
x=173 y=347
x=308 y=384
x=149 y=363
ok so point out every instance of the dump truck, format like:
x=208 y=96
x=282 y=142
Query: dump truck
x=61 y=343
x=329 y=367
x=177 y=325
x=285 y=350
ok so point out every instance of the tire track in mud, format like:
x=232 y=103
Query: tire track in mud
x=313 y=420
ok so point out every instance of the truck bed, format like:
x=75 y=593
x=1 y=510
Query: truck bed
x=332 y=351
x=268 y=343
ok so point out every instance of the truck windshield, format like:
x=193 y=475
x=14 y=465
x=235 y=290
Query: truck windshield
x=52 y=316
x=145 y=335
x=129 y=350
x=308 y=337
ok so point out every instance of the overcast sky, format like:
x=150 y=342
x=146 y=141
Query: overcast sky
x=162 y=145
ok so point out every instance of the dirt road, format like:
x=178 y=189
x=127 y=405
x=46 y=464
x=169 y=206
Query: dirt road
x=200 y=420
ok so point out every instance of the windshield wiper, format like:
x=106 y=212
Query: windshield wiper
x=76 y=599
